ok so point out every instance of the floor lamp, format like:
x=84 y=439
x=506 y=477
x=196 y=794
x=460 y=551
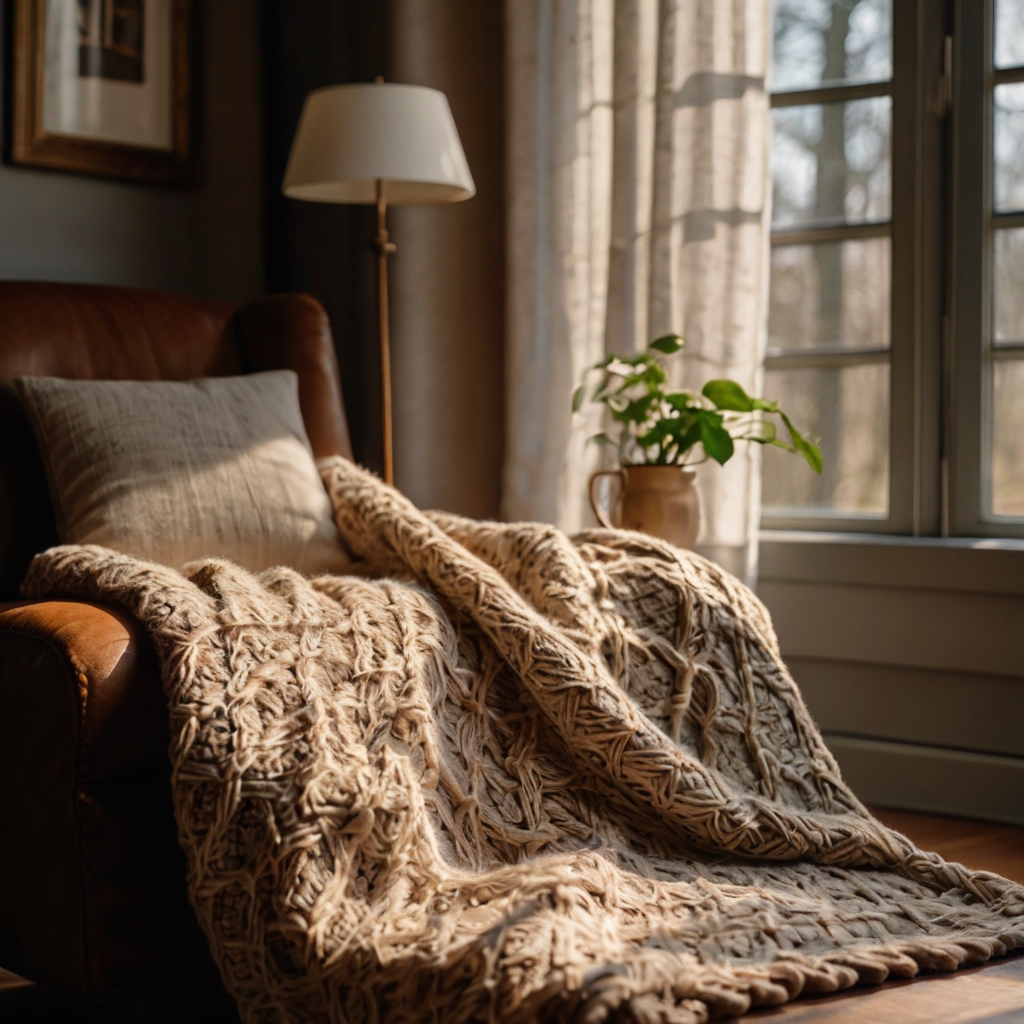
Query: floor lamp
x=379 y=144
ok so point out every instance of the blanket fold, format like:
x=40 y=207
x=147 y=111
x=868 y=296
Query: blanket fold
x=507 y=775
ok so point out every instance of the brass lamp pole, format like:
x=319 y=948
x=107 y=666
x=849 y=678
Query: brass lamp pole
x=384 y=249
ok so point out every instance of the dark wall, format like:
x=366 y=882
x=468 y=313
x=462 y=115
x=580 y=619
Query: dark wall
x=447 y=300
x=317 y=247
x=206 y=240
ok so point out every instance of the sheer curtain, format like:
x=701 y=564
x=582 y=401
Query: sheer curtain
x=637 y=181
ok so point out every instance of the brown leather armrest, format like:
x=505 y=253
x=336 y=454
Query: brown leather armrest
x=92 y=881
x=110 y=663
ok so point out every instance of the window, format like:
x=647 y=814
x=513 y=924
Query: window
x=896 y=312
x=985 y=426
x=1005 y=383
x=828 y=359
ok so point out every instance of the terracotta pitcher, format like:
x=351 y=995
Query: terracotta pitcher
x=659 y=500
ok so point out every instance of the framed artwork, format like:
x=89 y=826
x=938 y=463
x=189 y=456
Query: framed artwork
x=105 y=87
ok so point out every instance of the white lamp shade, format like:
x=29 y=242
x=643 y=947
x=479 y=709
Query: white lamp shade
x=352 y=136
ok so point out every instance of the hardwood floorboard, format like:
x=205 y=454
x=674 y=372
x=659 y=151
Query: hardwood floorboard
x=990 y=994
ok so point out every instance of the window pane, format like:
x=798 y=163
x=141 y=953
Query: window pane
x=1009 y=33
x=832 y=293
x=1008 y=128
x=1008 y=438
x=848 y=409
x=830 y=163
x=825 y=42
x=1009 y=285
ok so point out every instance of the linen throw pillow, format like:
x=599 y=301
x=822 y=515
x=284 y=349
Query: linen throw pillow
x=170 y=471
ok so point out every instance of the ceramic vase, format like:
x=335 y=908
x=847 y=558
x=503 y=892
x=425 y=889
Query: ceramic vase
x=658 y=500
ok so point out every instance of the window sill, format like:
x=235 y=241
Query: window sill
x=971 y=564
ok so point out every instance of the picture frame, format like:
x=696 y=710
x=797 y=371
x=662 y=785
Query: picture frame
x=106 y=87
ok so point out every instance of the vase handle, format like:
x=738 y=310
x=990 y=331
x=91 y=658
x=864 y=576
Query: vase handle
x=602 y=516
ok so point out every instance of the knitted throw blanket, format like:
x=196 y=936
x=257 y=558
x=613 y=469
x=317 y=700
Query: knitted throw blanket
x=516 y=777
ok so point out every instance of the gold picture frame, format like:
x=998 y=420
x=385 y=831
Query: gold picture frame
x=106 y=87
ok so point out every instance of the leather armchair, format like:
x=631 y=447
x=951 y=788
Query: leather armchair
x=92 y=881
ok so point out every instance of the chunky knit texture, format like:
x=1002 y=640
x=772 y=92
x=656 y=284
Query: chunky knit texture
x=504 y=775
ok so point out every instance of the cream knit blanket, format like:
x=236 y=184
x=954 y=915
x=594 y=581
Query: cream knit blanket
x=516 y=777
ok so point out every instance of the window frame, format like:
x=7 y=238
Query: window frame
x=971 y=349
x=919 y=89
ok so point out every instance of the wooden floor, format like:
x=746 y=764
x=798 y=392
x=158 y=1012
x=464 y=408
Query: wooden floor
x=992 y=994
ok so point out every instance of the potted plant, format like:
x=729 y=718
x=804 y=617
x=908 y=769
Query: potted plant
x=662 y=433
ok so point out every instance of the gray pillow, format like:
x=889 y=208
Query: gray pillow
x=171 y=471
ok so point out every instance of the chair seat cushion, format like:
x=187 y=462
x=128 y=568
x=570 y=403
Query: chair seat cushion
x=170 y=471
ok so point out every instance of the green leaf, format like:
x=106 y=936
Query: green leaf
x=811 y=452
x=683 y=401
x=602 y=438
x=728 y=395
x=658 y=434
x=651 y=375
x=716 y=439
x=668 y=343
x=638 y=410
x=577 y=399
x=690 y=437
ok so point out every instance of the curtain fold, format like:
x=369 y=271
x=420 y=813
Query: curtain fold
x=637 y=170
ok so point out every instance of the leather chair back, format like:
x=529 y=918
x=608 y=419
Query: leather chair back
x=105 y=333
